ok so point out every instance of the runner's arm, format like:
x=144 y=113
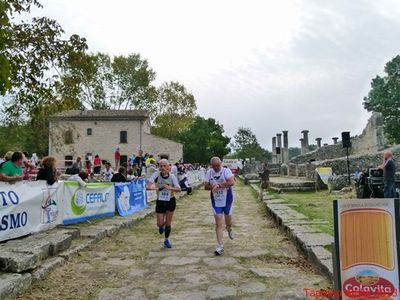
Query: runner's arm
x=228 y=183
x=150 y=183
x=176 y=187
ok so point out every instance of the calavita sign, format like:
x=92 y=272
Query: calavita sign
x=367 y=250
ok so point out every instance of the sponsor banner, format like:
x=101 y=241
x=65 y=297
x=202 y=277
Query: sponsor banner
x=324 y=173
x=28 y=207
x=151 y=196
x=130 y=197
x=366 y=245
x=95 y=200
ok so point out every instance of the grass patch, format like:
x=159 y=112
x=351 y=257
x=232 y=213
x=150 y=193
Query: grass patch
x=318 y=206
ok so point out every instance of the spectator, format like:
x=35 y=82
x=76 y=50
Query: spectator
x=108 y=172
x=174 y=170
x=80 y=178
x=184 y=183
x=88 y=165
x=77 y=165
x=48 y=170
x=117 y=157
x=97 y=164
x=34 y=159
x=389 y=174
x=140 y=161
x=131 y=175
x=120 y=176
x=11 y=171
x=149 y=159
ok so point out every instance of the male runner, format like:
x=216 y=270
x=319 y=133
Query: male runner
x=166 y=186
x=220 y=181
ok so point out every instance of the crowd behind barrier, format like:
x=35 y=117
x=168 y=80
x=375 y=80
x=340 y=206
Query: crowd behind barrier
x=33 y=206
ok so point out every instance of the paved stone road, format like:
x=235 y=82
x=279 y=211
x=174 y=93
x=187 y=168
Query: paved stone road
x=259 y=264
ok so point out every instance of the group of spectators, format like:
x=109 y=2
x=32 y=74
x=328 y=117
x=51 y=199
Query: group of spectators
x=15 y=166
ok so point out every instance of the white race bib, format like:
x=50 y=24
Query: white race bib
x=164 y=195
x=220 y=197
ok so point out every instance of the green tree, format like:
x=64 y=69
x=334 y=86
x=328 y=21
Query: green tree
x=204 y=139
x=98 y=81
x=36 y=52
x=173 y=111
x=246 y=145
x=5 y=69
x=294 y=151
x=384 y=97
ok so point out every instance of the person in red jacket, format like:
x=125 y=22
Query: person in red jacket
x=117 y=156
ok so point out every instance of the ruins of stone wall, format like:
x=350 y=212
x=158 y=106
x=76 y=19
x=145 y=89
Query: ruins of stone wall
x=370 y=141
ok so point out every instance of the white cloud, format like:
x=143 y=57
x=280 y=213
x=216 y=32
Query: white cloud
x=268 y=65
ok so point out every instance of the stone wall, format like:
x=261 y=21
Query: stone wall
x=371 y=140
x=104 y=138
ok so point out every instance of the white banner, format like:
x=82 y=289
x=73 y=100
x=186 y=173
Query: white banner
x=95 y=200
x=27 y=207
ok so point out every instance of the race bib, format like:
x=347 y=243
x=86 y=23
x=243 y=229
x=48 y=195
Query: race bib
x=220 y=197
x=164 y=195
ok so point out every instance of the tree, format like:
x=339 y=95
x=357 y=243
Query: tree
x=5 y=69
x=384 y=97
x=173 y=111
x=246 y=145
x=35 y=53
x=294 y=151
x=204 y=139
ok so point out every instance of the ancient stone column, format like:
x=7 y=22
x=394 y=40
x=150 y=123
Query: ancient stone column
x=274 y=150
x=302 y=145
x=305 y=140
x=335 y=139
x=279 y=140
x=318 y=142
x=285 y=146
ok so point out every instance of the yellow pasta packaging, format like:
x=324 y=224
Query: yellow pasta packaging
x=366 y=248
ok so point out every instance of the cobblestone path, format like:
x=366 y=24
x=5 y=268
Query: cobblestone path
x=259 y=264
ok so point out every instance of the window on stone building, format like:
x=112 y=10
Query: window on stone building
x=89 y=131
x=68 y=137
x=68 y=160
x=123 y=137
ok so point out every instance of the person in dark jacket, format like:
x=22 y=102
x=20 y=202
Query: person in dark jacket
x=389 y=174
x=48 y=170
x=120 y=176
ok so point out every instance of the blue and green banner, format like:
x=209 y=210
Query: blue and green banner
x=130 y=197
x=95 y=200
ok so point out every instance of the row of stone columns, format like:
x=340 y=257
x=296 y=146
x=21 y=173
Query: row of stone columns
x=280 y=151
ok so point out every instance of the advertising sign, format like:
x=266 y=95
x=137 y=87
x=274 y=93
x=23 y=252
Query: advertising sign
x=28 y=207
x=366 y=248
x=324 y=173
x=95 y=200
x=130 y=197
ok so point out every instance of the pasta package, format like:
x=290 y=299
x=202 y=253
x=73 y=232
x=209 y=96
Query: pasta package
x=367 y=249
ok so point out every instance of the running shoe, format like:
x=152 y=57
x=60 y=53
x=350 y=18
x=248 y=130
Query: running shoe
x=167 y=244
x=231 y=233
x=161 y=229
x=219 y=250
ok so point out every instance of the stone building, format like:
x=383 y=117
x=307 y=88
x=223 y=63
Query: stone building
x=89 y=132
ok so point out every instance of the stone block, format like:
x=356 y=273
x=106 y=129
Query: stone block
x=314 y=239
x=18 y=262
x=48 y=266
x=12 y=284
x=221 y=292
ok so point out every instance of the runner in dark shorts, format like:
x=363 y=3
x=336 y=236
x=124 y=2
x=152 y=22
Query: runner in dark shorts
x=166 y=186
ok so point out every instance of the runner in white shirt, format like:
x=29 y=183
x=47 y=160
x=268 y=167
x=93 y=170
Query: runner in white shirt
x=166 y=186
x=219 y=181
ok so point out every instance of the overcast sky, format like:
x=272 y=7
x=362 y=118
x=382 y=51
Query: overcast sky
x=265 y=64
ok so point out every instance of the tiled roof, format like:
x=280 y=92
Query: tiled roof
x=102 y=115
